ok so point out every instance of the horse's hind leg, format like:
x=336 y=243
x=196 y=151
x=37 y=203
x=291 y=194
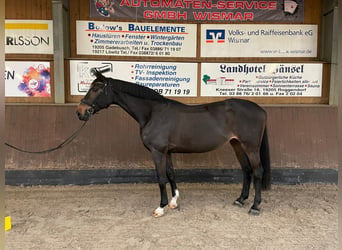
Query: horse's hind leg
x=171 y=177
x=246 y=170
x=257 y=178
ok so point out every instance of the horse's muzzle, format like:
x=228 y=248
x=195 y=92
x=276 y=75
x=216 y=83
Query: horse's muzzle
x=85 y=114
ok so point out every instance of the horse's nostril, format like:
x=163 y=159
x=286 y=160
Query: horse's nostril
x=79 y=115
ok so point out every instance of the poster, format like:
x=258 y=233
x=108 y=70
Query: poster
x=258 y=40
x=261 y=79
x=28 y=37
x=27 y=79
x=167 y=78
x=199 y=10
x=136 y=39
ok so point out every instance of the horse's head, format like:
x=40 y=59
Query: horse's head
x=98 y=97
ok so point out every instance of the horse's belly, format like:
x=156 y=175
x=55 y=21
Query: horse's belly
x=196 y=140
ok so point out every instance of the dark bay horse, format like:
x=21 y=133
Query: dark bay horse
x=168 y=126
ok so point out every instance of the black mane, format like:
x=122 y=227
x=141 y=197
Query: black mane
x=135 y=90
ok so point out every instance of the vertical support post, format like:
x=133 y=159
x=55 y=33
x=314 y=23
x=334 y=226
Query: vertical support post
x=2 y=129
x=58 y=40
x=339 y=127
x=333 y=98
x=328 y=48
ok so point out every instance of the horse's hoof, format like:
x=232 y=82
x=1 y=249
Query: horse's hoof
x=238 y=203
x=254 y=211
x=173 y=202
x=173 y=205
x=159 y=212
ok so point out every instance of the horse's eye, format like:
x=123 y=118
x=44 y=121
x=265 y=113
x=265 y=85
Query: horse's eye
x=96 y=88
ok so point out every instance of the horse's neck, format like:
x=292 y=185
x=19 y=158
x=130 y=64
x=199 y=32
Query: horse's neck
x=139 y=109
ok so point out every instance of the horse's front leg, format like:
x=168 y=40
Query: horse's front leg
x=171 y=177
x=160 y=211
x=159 y=159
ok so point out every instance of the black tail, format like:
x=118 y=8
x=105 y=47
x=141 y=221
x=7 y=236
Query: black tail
x=265 y=162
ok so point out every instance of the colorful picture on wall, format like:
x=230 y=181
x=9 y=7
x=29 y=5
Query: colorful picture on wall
x=104 y=8
x=27 y=79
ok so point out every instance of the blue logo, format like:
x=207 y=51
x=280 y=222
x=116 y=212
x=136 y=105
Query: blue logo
x=215 y=36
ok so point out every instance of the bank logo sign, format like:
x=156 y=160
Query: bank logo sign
x=215 y=35
x=28 y=37
x=259 y=40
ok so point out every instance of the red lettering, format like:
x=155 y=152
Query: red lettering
x=272 y=5
x=145 y=2
x=155 y=3
x=263 y=5
x=238 y=16
x=196 y=4
x=230 y=5
x=220 y=16
x=187 y=3
x=227 y=16
x=201 y=4
x=135 y=4
x=242 y=5
x=148 y=14
x=206 y=4
x=179 y=4
x=215 y=16
x=167 y=3
x=180 y=15
x=249 y=16
x=125 y=2
x=160 y=15
x=239 y=4
x=200 y=15
x=250 y=5
x=168 y=15
x=221 y=4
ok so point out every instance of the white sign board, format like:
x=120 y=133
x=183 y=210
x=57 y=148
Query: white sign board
x=258 y=40
x=261 y=79
x=135 y=39
x=27 y=79
x=168 y=79
x=28 y=37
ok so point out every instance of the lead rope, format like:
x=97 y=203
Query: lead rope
x=64 y=143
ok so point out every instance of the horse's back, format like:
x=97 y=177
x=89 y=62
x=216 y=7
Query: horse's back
x=242 y=103
x=244 y=109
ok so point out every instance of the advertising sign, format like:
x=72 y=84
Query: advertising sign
x=27 y=79
x=199 y=10
x=258 y=40
x=168 y=79
x=136 y=39
x=261 y=79
x=28 y=37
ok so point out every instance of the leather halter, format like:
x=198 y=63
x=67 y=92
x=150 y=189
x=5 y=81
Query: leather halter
x=91 y=103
